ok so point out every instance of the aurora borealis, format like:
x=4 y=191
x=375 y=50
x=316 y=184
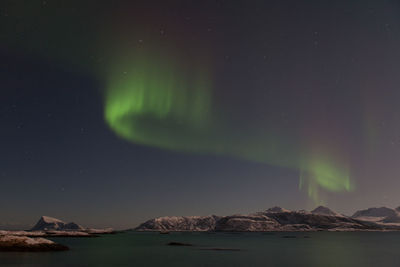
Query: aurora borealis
x=153 y=104
x=286 y=101
x=156 y=96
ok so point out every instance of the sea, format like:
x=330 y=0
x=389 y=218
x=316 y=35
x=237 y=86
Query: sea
x=308 y=249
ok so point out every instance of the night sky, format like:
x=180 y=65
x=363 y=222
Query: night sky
x=114 y=112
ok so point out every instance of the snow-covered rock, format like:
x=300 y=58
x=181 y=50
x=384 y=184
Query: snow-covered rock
x=22 y=233
x=100 y=231
x=24 y=243
x=57 y=233
x=46 y=223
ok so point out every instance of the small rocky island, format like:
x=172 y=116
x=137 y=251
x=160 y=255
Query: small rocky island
x=278 y=219
x=34 y=240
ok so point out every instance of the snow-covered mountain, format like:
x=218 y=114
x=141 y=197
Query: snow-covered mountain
x=382 y=214
x=46 y=223
x=274 y=219
x=325 y=211
x=375 y=212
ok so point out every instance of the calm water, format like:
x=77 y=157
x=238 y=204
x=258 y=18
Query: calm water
x=256 y=249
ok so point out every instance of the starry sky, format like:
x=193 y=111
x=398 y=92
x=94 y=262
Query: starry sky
x=114 y=112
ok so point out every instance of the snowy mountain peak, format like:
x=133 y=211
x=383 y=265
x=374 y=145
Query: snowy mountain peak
x=324 y=211
x=47 y=223
x=48 y=219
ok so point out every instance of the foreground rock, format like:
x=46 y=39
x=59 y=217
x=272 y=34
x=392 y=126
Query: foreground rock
x=274 y=219
x=24 y=243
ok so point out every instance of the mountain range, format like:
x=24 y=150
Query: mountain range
x=279 y=219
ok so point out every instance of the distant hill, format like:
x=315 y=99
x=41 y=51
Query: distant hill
x=273 y=219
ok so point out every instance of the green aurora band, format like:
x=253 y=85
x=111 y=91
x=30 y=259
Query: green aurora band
x=154 y=101
x=149 y=104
